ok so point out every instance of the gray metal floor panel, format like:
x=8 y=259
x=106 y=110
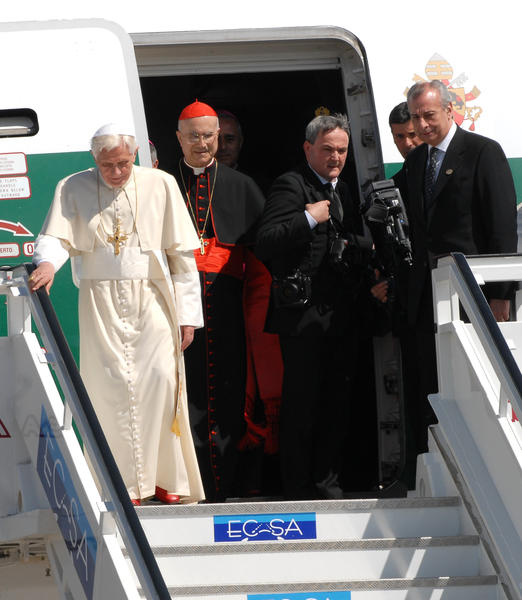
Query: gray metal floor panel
x=308 y=546
x=379 y=584
x=318 y=506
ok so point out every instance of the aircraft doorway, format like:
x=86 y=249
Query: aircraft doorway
x=273 y=109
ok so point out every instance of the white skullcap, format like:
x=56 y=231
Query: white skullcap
x=115 y=129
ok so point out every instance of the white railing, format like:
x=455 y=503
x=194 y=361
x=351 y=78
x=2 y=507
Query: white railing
x=43 y=434
x=480 y=386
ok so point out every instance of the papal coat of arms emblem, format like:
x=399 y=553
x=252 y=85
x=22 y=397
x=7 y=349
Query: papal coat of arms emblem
x=438 y=67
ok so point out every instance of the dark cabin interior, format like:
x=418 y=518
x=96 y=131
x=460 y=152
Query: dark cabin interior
x=273 y=109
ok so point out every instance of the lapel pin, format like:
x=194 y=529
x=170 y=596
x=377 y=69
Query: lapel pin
x=449 y=171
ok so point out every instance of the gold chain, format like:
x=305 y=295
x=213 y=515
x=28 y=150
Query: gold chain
x=202 y=232
x=118 y=238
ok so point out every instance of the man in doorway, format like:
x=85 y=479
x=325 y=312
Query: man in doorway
x=405 y=140
x=230 y=139
x=260 y=443
x=402 y=130
x=308 y=212
x=225 y=206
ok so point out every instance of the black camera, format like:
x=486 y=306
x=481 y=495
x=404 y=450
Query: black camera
x=292 y=291
x=337 y=252
x=386 y=218
x=352 y=251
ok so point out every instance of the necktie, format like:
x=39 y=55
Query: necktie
x=430 y=178
x=336 y=208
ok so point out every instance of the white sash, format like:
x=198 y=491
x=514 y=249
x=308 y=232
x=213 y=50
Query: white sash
x=130 y=263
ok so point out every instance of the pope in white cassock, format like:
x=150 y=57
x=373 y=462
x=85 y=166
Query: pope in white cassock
x=132 y=240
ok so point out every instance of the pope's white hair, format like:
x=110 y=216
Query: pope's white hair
x=111 y=141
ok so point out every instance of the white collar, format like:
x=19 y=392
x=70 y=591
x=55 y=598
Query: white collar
x=323 y=180
x=198 y=170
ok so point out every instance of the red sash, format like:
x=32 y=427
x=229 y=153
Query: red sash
x=228 y=260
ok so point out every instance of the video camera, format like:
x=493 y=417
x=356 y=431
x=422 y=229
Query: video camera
x=385 y=216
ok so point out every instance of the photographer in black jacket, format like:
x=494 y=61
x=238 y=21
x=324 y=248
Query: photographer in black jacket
x=306 y=217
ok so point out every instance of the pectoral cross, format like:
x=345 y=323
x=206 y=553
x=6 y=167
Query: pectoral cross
x=203 y=244
x=118 y=238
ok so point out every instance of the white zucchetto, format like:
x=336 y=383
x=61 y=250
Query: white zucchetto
x=115 y=129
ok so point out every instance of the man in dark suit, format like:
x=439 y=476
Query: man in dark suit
x=460 y=197
x=310 y=308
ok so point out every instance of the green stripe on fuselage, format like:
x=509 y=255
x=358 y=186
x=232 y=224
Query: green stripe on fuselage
x=44 y=172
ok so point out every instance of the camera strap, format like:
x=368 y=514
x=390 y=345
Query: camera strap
x=331 y=222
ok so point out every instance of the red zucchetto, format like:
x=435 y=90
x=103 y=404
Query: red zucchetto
x=197 y=109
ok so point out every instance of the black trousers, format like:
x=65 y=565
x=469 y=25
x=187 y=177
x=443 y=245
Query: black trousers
x=216 y=372
x=314 y=415
x=424 y=361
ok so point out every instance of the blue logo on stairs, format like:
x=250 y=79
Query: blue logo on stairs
x=65 y=502
x=263 y=527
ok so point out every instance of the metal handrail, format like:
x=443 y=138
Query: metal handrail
x=489 y=329
x=91 y=431
x=475 y=437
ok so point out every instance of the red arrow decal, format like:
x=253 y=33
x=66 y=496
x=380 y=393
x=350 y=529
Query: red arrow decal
x=3 y=430
x=15 y=228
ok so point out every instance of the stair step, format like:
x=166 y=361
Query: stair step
x=481 y=587
x=293 y=562
x=369 y=549
x=332 y=520
x=347 y=545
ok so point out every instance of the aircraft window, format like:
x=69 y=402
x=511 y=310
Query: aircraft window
x=18 y=122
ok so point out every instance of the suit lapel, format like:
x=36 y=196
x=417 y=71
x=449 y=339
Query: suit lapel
x=315 y=187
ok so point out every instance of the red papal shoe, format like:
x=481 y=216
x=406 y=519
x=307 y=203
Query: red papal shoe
x=136 y=501
x=164 y=496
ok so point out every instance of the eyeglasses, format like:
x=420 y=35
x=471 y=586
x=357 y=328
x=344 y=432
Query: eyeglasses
x=194 y=137
x=121 y=166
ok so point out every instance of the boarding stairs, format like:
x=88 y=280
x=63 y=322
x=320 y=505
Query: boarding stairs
x=458 y=536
